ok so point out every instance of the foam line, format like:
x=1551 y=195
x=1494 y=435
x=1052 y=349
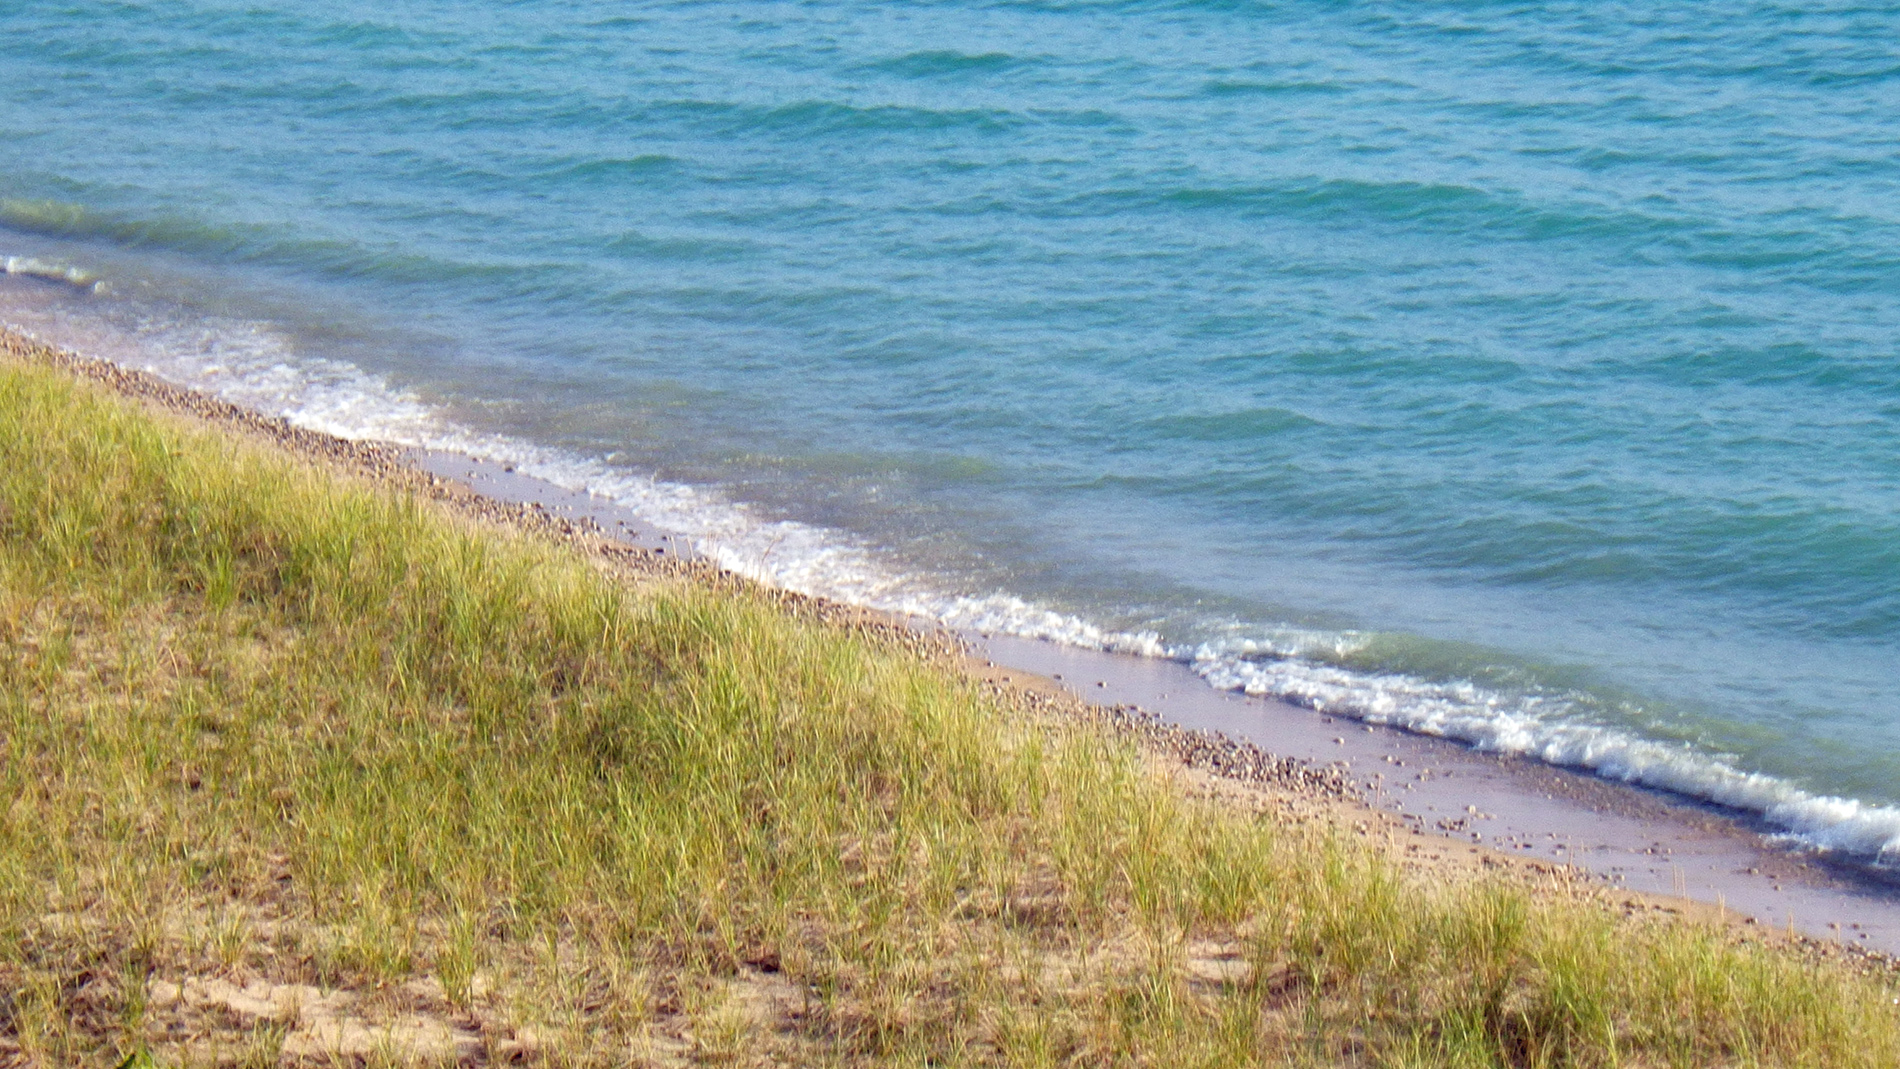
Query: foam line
x=31 y=267
x=1537 y=726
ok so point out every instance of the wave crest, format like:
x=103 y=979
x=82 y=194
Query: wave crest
x=1537 y=726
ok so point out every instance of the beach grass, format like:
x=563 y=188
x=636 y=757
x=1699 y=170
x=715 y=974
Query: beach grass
x=265 y=727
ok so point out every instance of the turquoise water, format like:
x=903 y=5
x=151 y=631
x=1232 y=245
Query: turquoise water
x=1523 y=373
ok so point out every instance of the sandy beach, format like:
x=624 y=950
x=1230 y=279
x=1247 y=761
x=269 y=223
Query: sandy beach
x=1436 y=806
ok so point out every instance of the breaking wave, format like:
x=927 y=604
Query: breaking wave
x=1550 y=729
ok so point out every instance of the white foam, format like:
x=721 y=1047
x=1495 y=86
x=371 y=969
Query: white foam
x=253 y=365
x=31 y=267
x=1549 y=730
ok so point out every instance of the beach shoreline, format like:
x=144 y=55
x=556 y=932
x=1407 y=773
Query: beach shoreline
x=1435 y=803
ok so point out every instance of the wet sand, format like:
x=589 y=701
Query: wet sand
x=1434 y=801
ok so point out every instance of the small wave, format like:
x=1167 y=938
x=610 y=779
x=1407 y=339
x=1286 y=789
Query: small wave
x=825 y=117
x=1226 y=87
x=1242 y=425
x=632 y=243
x=251 y=364
x=610 y=168
x=29 y=267
x=1429 y=206
x=61 y=219
x=942 y=63
x=1547 y=728
x=258 y=244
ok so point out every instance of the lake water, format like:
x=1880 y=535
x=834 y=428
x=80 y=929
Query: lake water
x=1523 y=373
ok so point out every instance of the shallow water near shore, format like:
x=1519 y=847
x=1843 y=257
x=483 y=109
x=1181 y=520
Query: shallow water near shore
x=1520 y=375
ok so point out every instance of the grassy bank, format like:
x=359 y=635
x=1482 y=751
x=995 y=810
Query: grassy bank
x=299 y=766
